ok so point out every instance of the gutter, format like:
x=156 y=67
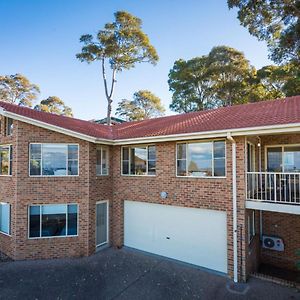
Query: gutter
x=234 y=205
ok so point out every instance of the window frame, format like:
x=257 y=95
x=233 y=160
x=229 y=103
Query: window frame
x=67 y=160
x=129 y=160
x=282 y=146
x=212 y=157
x=251 y=234
x=9 y=223
x=51 y=237
x=10 y=160
x=107 y=153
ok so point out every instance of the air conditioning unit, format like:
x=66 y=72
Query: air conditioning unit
x=273 y=243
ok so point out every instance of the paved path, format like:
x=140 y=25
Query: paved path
x=124 y=274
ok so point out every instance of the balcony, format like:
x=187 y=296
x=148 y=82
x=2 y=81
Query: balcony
x=273 y=191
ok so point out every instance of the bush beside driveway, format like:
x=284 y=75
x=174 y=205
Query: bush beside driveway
x=123 y=274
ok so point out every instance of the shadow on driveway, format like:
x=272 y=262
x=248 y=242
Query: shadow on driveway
x=123 y=274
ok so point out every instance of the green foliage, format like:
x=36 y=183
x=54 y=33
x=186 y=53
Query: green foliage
x=275 y=21
x=190 y=84
x=121 y=44
x=225 y=77
x=17 y=89
x=144 y=105
x=54 y=105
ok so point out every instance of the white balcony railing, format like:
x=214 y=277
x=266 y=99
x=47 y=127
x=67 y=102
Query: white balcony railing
x=274 y=187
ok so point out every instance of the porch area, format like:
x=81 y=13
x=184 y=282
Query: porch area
x=273 y=206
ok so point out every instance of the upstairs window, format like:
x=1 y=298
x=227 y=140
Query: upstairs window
x=5 y=218
x=139 y=160
x=101 y=161
x=54 y=159
x=5 y=160
x=283 y=159
x=9 y=126
x=201 y=159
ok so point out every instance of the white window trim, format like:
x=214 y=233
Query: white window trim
x=129 y=161
x=67 y=160
x=98 y=147
x=51 y=237
x=252 y=216
x=282 y=146
x=9 y=159
x=107 y=225
x=201 y=141
x=9 y=225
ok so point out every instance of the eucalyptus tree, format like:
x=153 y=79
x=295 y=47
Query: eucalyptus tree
x=120 y=45
x=54 y=105
x=17 y=89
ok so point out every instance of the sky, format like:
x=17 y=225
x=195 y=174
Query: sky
x=40 y=38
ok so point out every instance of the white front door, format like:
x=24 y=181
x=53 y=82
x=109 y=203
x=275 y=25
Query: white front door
x=102 y=223
x=192 y=235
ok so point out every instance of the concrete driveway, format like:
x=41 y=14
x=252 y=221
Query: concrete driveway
x=124 y=274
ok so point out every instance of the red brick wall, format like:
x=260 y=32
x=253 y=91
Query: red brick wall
x=8 y=193
x=85 y=190
x=287 y=227
x=207 y=193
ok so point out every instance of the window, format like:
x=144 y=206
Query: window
x=6 y=160
x=201 y=159
x=53 y=220
x=5 y=218
x=251 y=226
x=53 y=159
x=102 y=161
x=283 y=159
x=9 y=126
x=139 y=160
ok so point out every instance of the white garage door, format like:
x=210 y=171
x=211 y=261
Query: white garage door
x=196 y=236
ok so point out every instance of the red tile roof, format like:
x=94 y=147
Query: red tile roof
x=265 y=113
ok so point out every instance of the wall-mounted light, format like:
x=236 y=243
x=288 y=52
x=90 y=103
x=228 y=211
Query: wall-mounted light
x=163 y=195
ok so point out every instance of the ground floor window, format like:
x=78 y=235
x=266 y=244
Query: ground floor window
x=5 y=218
x=251 y=226
x=53 y=220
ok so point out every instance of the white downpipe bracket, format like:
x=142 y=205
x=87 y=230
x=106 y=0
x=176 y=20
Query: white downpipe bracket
x=234 y=204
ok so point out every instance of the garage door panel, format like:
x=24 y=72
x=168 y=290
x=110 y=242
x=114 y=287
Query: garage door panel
x=196 y=236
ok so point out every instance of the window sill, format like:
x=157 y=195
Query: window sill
x=140 y=176
x=202 y=177
x=54 y=176
x=52 y=237
x=4 y=233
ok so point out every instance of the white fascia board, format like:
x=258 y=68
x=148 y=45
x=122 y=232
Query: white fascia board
x=263 y=130
x=54 y=128
x=274 y=207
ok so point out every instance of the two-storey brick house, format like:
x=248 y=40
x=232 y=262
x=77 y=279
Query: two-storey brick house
x=213 y=188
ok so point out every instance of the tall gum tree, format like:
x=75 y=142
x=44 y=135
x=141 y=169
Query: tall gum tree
x=121 y=44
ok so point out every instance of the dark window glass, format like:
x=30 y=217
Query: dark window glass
x=35 y=159
x=219 y=149
x=34 y=221
x=9 y=126
x=181 y=151
x=54 y=160
x=181 y=167
x=54 y=220
x=219 y=167
x=274 y=159
x=73 y=167
x=139 y=161
x=72 y=219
